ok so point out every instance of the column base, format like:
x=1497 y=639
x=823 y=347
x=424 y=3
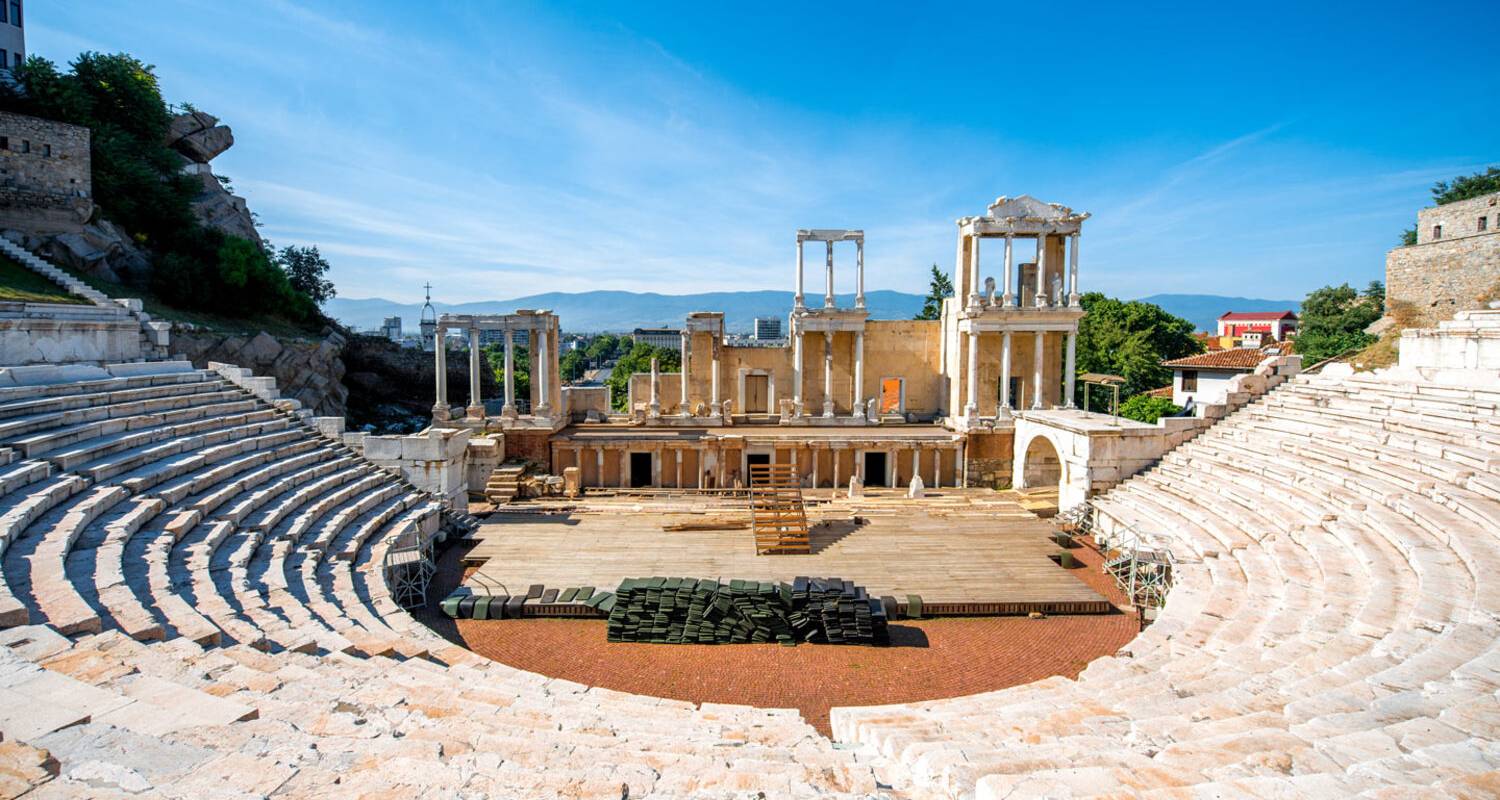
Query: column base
x=715 y=410
x=828 y=409
x=509 y=411
x=1008 y=300
x=1003 y=412
x=474 y=412
x=1074 y=298
x=442 y=413
x=653 y=411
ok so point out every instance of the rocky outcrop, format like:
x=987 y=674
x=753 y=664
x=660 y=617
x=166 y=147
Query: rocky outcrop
x=199 y=136
x=199 y=139
x=310 y=371
x=392 y=386
x=100 y=249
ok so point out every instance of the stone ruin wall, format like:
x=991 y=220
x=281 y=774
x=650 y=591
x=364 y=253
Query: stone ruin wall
x=45 y=179
x=1443 y=277
x=1460 y=218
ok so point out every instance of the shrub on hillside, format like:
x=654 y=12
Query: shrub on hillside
x=1148 y=409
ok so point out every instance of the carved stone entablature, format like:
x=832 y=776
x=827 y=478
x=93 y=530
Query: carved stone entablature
x=1024 y=215
x=829 y=235
x=710 y=321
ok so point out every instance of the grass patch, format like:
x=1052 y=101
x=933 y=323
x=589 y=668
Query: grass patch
x=20 y=284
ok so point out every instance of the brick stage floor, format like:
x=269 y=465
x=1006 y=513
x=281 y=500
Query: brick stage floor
x=930 y=659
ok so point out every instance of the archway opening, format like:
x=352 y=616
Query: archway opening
x=1042 y=468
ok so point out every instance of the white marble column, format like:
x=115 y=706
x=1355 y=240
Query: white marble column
x=815 y=460
x=836 y=453
x=476 y=404
x=509 y=409
x=859 y=273
x=624 y=468
x=599 y=457
x=1009 y=298
x=1041 y=270
x=859 y=373
x=1069 y=377
x=1004 y=410
x=937 y=468
x=541 y=372
x=797 y=373
x=974 y=271
x=656 y=459
x=827 y=373
x=1036 y=385
x=971 y=408
x=678 y=482
x=1073 y=270
x=828 y=294
x=653 y=407
x=682 y=409
x=715 y=408
x=890 y=468
x=797 y=300
x=440 y=409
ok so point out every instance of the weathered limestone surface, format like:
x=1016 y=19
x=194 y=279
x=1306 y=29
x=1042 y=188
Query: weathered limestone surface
x=309 y=371
x=1439 y=277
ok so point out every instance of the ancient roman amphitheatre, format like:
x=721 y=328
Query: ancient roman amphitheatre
x=209 y=592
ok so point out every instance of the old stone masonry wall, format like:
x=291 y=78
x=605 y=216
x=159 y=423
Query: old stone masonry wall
x=308 y=371
x=1458 y=272
x=45 y=183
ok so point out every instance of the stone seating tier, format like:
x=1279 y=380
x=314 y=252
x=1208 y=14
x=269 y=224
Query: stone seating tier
x=207 y=615
x=191 y=570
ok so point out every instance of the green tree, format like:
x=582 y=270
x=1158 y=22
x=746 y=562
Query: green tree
x=940 y=287
x=1131 y=339
x=1465 y=187
x=521 y=359
x=638 y=360
x=138 y=184
x=1148 y=409
x=572 y=365
x=306 y=269
x=1334 y=318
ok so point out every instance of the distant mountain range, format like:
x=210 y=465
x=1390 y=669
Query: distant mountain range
x=591 y=312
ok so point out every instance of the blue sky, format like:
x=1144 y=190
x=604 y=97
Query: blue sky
x=504 y=149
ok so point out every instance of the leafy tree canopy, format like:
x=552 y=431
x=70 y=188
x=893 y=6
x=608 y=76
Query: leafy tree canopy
x=940 y=287
x=1465 y=187
x=572 y=365
x=1334 y=318
x=639 y=360
x=307 y=271
x=139 y=185
x=1148 y=409
x=1131 y=339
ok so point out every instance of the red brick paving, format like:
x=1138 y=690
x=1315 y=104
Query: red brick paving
x=929 y=659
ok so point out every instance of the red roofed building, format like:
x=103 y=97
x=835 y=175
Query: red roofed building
x=1205 y=378
x=1255 y=327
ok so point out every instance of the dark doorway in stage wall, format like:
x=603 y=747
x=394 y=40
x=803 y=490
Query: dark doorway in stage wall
x=874 y=469
x=640 y=470
x=752 y=459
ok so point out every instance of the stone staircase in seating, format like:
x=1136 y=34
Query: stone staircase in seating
x=1333 y=631
x=504 y=483
x=192 y=605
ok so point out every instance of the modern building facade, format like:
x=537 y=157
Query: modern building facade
x=12 y=34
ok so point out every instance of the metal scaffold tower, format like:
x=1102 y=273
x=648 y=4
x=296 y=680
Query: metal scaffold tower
x=1141 y=565
x=409 y=566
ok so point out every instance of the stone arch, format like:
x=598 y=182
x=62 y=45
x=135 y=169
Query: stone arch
x=1041 y=464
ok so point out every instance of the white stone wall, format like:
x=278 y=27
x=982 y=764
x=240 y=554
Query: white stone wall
x=433 y=461
x=1213 y=386
x=46 y=339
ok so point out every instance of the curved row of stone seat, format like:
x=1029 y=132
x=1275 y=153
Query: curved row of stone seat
x=1333 y=628
x=208 y=616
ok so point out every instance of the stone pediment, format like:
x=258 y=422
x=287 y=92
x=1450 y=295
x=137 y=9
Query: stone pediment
x=1028 y=207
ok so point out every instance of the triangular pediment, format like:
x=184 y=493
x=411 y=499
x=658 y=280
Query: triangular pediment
x=1028 y=207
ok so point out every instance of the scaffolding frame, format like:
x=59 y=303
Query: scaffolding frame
x=409 y=566
x=1141 y=564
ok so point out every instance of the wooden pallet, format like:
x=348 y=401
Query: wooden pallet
x=778 y=517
